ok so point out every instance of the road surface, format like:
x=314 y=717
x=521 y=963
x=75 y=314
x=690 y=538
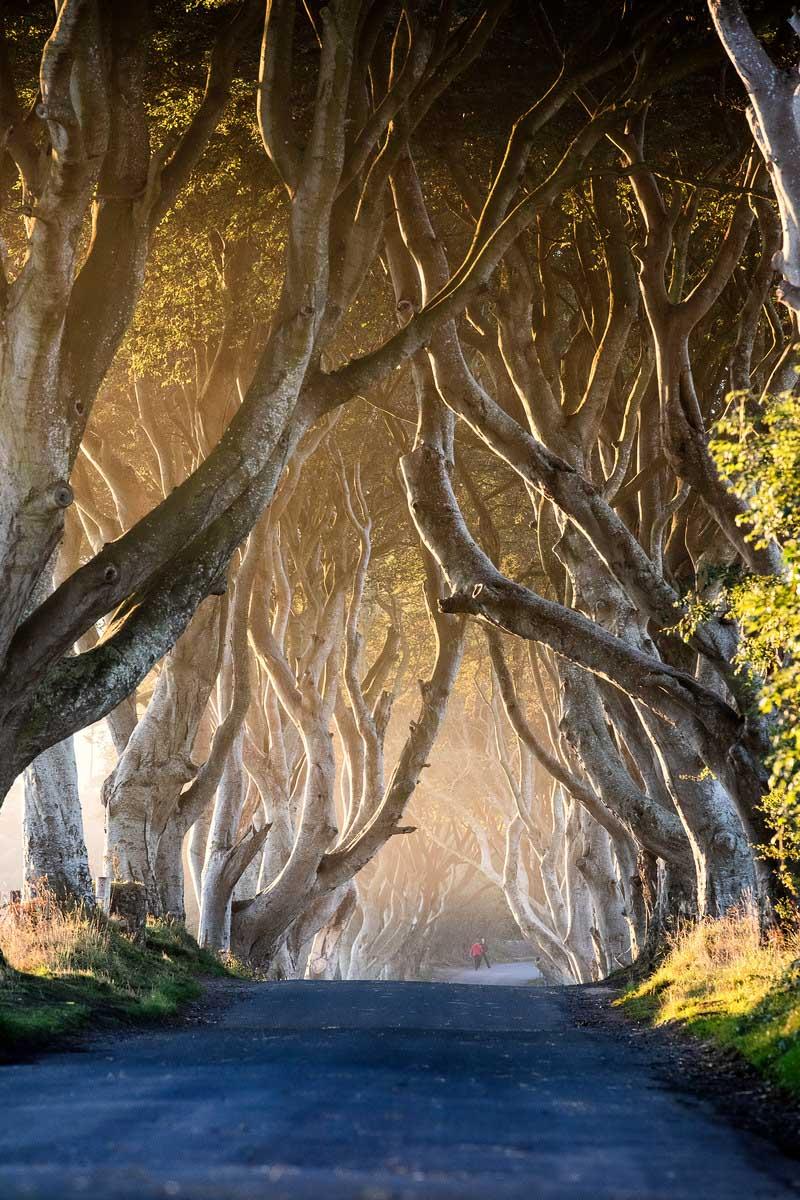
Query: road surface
x=512 y=974
x=374 y=1091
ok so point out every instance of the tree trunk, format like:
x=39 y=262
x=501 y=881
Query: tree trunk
x=141 y=794
x=722 y=854
x=260 y=926
x=129 y=854
x=598 y=868
x=169 y=871
x=323 y=957
x=348 y=938
x=54 y=846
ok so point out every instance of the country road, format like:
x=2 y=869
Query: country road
x=375 y=1091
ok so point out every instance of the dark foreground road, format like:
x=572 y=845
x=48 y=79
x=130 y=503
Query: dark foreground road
x=375 y=1091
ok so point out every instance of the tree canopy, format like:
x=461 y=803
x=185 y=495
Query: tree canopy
x=356 y=343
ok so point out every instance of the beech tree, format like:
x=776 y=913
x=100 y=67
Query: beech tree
x=401 y=902
x=220 y=501
x=771 y=113
x=545 y=347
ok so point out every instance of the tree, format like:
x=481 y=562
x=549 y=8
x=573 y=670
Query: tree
x=561 y=382
x=171 y=560
x=772 y=115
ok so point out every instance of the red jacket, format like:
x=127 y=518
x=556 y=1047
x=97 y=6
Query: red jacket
x=476 y=950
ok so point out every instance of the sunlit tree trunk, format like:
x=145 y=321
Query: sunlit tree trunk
x=54 y=850
x=53 y=847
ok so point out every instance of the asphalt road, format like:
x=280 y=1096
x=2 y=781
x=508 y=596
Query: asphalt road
x=377 y=1091
x=513 y=974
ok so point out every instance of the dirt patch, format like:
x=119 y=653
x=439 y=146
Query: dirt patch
x=218 y=995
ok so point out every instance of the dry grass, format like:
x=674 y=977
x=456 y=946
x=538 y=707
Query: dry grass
x=726 y=982
x=67 y=967
x=41 y=937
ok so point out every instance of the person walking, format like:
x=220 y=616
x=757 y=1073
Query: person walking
x=478 y=953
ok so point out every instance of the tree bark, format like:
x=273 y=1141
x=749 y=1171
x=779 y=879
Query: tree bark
x=54 y=850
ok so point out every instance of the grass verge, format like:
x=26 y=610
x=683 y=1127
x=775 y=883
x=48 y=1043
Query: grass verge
x=68 y=969
x=725 y=983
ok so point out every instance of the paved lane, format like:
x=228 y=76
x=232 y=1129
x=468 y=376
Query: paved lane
x=513 y=974
x=378 y=1092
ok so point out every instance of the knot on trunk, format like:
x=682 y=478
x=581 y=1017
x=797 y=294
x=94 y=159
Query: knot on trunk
x=62 y=494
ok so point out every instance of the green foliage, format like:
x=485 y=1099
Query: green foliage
x=232 y=200
x=782 y=809
x=758 y=452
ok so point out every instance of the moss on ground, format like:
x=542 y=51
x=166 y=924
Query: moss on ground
x=726 y=984
x=97 y=976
